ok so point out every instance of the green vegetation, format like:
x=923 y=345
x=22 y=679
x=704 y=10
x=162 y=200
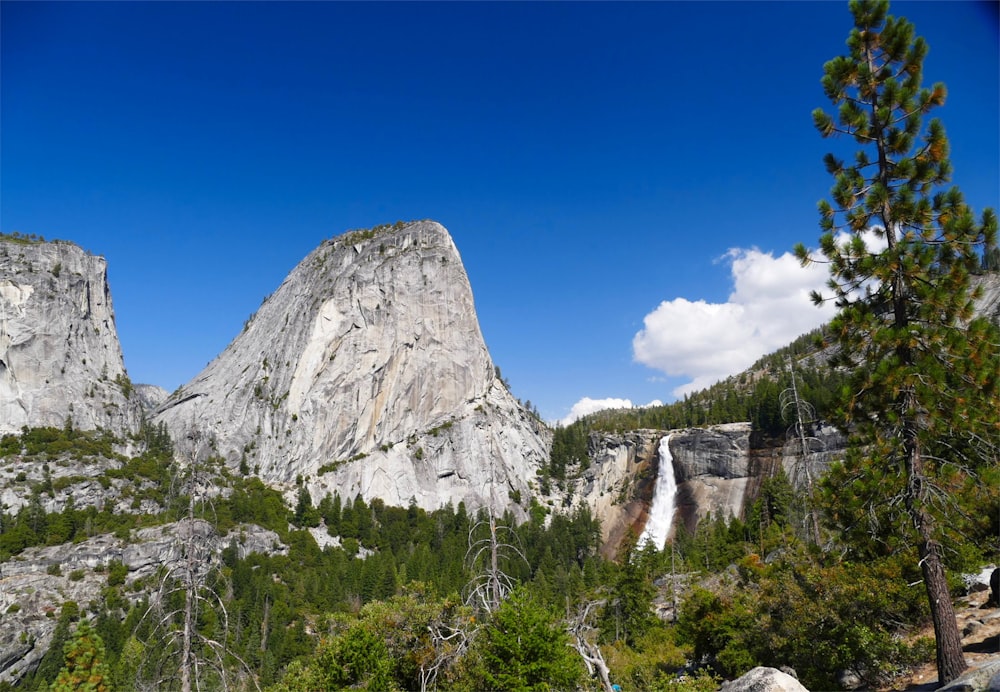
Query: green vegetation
x=361 y=234
x=125 y=384
x=26 y=238
x=85 y=669
x=523 y=647
x=143 y=477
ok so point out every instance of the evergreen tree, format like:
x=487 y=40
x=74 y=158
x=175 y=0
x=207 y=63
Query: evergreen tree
x=923 y=400
x=85 y=668
x=524 y=648
x=629 y=614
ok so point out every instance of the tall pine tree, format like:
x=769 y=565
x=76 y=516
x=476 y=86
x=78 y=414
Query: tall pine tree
x=923 y=400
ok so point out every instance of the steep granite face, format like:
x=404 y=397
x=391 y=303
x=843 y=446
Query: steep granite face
x=713 y=471
x=59 y=352
x=366 y=373
x=711 y=465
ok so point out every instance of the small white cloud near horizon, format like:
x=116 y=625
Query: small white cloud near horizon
x=586 y=406
x=707 y=342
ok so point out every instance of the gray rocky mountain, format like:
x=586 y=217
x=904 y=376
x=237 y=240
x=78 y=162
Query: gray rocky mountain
x=60 y=358
x=150 y=396
x=366 y=373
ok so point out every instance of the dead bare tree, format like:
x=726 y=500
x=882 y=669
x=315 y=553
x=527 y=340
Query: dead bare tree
x=584 y=636
x=181 y=653
x=450 y=640
x=803 y=418
x=490 y=584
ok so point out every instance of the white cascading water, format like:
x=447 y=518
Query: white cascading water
x=661 y=513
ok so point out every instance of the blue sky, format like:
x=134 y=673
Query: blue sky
x=621 y=180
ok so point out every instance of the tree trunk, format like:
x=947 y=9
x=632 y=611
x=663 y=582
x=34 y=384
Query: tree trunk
x=950 y=660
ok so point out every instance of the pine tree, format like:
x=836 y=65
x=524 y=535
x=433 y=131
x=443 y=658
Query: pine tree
x=924 y=395
x=86 y=668
x=524 y=648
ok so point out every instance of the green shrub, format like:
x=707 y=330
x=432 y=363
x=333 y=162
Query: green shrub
x=117 y=572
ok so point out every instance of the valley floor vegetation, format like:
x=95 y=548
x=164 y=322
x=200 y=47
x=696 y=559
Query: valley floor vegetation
x=388 y=606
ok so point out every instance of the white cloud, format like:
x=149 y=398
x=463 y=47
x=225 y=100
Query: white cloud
x=586 y=406
x=706 y=342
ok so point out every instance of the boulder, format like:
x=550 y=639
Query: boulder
x=985 y=678
x=763 y=679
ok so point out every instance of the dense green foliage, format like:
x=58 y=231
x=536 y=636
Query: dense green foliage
x=523 y=648
x=147 y=477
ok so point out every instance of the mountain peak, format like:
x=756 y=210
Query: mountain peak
x=60 y=359
x=366 y=373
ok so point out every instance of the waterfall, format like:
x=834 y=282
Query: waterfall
x=661 y=513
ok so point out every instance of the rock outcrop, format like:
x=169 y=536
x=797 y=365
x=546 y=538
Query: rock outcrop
x=713 y=471
x=150 y=396
x=60 y=358
x=712 y=467
x=988 y=304
x=35 y=585
x=617 y=486
x=366 y=373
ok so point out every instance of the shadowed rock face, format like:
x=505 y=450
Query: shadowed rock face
x=366 y=373
x=59 y=352
x=714 y=471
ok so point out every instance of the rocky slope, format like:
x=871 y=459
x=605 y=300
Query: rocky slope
x=60 y=357
x=39 y=581
x=366 y=373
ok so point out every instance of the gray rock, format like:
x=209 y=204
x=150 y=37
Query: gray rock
x=720 y=451
x=60 y=357
x=985 y=678
x=711 y=465
x=150 y=395
x=366 y=373
x=849 y=680
x=971 y=628
x=763 y=679
x=39 y=580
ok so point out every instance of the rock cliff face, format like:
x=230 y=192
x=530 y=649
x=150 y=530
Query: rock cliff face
x=366 y=373
x=712 y=467
x=618 y=485
x=988 y=304
x=713 y=471
x=59 y=353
